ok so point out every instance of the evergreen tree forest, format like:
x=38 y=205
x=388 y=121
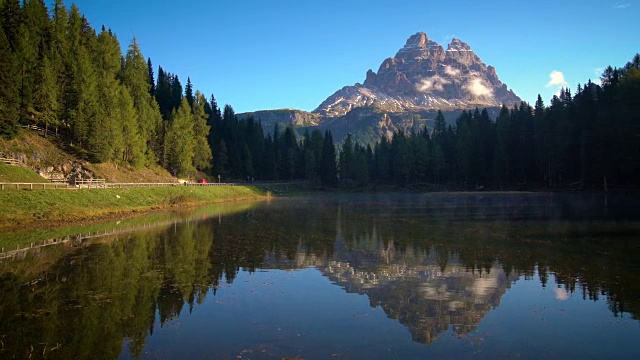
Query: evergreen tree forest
x=60 y=74
x=588 y=140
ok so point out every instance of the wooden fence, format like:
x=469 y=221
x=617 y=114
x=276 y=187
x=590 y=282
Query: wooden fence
x=17 y=185
x=42 y=130
x=147 y=185
x=90 y=183
x=9 y=161
x=97 y=184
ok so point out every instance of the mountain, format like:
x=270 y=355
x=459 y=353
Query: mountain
x=424 y=76
x=405 y=94
x=294 y=117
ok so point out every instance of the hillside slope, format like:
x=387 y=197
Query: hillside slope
x=48 y=160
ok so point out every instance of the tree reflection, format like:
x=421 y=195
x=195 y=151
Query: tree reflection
x=430 y=267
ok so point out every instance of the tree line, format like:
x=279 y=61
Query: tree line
x=56 y=71
x=587 y=140
x=590 y=139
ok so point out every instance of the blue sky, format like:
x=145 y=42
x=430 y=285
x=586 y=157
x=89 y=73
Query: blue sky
x=269 y=54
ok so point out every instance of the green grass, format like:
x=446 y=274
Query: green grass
x=18 y=207
x=10 y=173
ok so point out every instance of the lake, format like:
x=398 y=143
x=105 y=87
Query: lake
x=366 y=276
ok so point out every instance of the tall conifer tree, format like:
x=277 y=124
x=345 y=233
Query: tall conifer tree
x=180 y=141
x=8 y=90
x=202 y=151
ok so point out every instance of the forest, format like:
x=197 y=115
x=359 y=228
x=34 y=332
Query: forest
x=57 y=72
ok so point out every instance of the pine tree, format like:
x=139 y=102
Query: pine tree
x=71 y=81
x=11 y=20
x=59 y=57
x=360 y=167
x=180 y=141
x=151 y=77
x=288 y=150
x=346 y=161
x=133 y=147
x=400 y=158
x=420 y=157
x=136 y=78
x=220 y=159
x=107 y=139
x=33 y=45
x=247 y=161
x=46 y=96
x=176 y=91
x=202 y=157
x=466 y=148
x=328 y=174
x=87 y=111
x=163 y=94
x=382 y=161
x=440 y=127
x=8 y=90
x=188 y=92
x=269 y=167
x=523 y=145
x=503 y=150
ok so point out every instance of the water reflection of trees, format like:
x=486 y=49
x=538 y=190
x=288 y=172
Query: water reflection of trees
x=84 y=304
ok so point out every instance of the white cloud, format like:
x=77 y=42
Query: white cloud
x=621 y=6
x=434 y=83
x=556 y=79
x=477 y=88
x=598 y=72
x=561 y=294
x=451 y=71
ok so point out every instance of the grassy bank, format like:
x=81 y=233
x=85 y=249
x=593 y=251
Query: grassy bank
x=149 y=221
x=9 y=173
x=20 y=207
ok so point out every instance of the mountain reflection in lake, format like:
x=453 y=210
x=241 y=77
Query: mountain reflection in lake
x=366 y=276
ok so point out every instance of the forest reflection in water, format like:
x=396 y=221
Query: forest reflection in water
x=433 y=263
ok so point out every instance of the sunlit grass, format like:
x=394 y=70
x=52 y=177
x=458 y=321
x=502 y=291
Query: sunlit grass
x=10 y=173
x=25 y=206
x=155 y=220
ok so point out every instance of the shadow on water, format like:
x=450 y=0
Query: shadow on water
x=432 y=262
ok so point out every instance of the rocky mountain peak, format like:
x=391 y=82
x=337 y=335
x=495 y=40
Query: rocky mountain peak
x=423 y=76
x=420 y=39
x=461 y=52
x=458 y=45
x=418 y=47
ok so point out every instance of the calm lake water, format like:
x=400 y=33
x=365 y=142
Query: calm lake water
x=385 y=276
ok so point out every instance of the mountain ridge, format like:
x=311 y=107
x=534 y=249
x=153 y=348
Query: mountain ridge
x=407 y=91
x=424 y=76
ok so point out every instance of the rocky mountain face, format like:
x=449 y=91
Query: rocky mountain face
x=283 y=116
x=405 y=94
x=424 y=76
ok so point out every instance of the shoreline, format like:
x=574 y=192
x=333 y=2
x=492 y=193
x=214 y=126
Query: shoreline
x=49 y=208
x=24 y=208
